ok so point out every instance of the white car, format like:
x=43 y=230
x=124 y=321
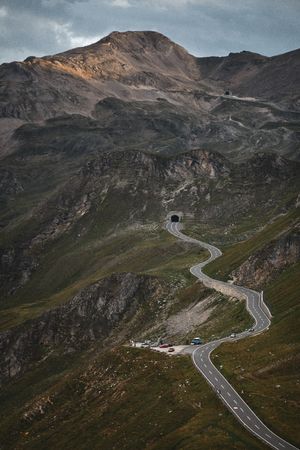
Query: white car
x=233 y=335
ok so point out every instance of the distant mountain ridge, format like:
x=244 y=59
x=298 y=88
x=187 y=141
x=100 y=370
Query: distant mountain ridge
x=251 y=74
x=148 y=72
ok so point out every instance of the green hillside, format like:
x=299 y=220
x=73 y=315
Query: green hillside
x=125 y=398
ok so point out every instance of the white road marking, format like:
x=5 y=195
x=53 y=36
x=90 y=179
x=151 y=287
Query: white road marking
x=262 y=322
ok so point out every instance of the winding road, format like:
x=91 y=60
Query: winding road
x=201 y=355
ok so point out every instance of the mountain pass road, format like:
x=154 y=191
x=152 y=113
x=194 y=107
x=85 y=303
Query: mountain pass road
x=201 y=355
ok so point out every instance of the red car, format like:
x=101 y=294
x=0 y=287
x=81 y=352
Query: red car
x=164 y=346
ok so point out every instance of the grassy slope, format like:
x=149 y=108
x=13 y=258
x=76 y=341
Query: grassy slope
x=126 y=398
x=235 y=255
x=265 y=367
x=72 y=265
x=143 y=252
x=104 y=414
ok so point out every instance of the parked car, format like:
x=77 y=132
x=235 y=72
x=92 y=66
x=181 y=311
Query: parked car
x=164 y=346
x=145 y=345
x=196 y=341
x=171 y=349
x=251 y=330
x=233 y=335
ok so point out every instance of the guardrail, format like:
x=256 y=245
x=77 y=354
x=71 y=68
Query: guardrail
x=264 y=306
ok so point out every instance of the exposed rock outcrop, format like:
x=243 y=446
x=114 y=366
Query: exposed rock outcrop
x=265 y=264
x=16 y=267
x=89 y=315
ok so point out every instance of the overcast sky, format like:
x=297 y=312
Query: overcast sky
x=203 y=27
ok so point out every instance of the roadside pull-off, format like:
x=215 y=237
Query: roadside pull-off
x=201 y=356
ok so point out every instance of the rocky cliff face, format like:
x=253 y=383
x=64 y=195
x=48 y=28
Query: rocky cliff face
x=91 y=314
x=266 y=264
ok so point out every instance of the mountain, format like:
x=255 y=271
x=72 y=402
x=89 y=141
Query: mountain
x=146 y=71
x=253 y=75
x=98 y=146
x=125 y=65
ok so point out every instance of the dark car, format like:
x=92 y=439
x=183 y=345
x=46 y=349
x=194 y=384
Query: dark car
x=171 y=349
x=196 y=341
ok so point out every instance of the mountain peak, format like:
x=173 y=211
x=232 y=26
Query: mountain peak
x=140 y=58
x=144 y=38
x=135 y=35
x=135 y=45
x=135 y=41
x=246 y=55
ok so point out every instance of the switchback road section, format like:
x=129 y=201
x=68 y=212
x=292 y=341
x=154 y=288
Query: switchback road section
x=201 y=355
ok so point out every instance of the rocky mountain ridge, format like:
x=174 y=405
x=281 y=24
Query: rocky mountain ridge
x=150 y=74
x=198 y=183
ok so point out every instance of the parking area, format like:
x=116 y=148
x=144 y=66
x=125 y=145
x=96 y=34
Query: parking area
x=163 y=348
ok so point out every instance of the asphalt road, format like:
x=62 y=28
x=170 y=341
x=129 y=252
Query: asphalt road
x=201 y=355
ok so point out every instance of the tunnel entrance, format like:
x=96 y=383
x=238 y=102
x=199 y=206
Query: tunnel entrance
x=174 y=218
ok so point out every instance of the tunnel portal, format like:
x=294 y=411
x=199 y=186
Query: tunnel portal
x=174 y=218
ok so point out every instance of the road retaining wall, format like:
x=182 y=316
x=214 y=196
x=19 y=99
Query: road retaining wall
x=264 y=306
x=224 y=288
